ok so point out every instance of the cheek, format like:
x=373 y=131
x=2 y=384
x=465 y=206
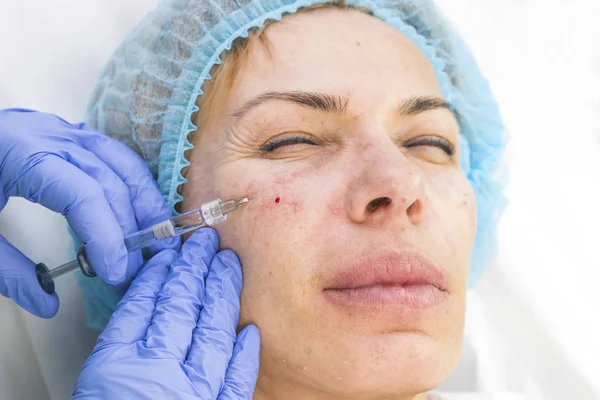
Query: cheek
x=467 y=208
x=277 y=202
x=270 y=236
x=459 y=204
x=465 y=224
x=453 y=217
x=271 y=226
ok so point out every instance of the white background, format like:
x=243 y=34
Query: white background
x=532 y=322
x=543 y=60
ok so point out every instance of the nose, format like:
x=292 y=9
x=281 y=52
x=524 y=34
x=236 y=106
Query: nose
x=387 y=185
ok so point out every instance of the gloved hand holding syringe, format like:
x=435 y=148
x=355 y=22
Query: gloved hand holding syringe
x=209 y=214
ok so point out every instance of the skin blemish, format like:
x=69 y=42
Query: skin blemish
x=464 y=203
x=334 y=210
x=277 y=199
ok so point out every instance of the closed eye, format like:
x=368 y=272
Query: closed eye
x=435 y=141
x=286 y=141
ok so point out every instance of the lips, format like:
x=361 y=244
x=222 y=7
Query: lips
x=388 y=281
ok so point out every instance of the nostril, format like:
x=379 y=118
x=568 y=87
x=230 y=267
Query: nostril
x=414 y=208
x=378 y=202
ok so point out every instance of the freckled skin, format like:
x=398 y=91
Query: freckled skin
x=322 y=222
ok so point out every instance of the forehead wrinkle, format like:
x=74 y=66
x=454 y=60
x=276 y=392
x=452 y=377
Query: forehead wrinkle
x=318 y=101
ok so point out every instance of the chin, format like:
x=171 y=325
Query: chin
x=400 y=364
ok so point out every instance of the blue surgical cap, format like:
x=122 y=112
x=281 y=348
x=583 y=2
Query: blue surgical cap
x=147 y=94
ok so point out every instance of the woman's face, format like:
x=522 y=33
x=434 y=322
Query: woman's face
x=356 y=239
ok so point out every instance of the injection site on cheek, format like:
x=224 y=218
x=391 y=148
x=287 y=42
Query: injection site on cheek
x=267 y=197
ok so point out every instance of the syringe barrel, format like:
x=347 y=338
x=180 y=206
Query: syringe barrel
x=209 y=214
x=145 y=237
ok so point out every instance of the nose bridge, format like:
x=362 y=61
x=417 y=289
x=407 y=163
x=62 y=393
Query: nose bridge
x=385 y=181
x=383 y=165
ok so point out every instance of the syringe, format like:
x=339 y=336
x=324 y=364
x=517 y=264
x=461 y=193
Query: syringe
x=209 y=214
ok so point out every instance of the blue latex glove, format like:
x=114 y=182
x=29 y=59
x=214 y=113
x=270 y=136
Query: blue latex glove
x=102 y=187
x=173 y=335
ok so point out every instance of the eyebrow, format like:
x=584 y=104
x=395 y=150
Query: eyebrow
x=317 y=101
x=421 y=104
x=338 y=104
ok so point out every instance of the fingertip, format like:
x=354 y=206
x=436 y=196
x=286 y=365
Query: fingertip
x=229 y=256
x=251 y=335
x=231 y=262
x=38 y=302
x=50 y=306
x=22 y=285
x=113 y=270
x=205 y=235
x=250 y=342
x=110 y=280
x=134 y=263
x=117 y=273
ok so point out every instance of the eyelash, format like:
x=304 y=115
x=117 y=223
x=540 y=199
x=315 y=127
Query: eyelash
x=426 y=141
x=277 y=143
x=446 y=146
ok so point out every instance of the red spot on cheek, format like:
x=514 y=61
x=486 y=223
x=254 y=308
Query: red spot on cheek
x=334 y=210
x=277 y=200
x=465 y=203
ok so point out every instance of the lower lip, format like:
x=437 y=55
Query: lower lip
x=381 y=297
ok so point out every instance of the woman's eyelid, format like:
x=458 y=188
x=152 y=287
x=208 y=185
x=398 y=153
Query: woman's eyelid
x=289 y=139
x=436 y=127
x=432 y=139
